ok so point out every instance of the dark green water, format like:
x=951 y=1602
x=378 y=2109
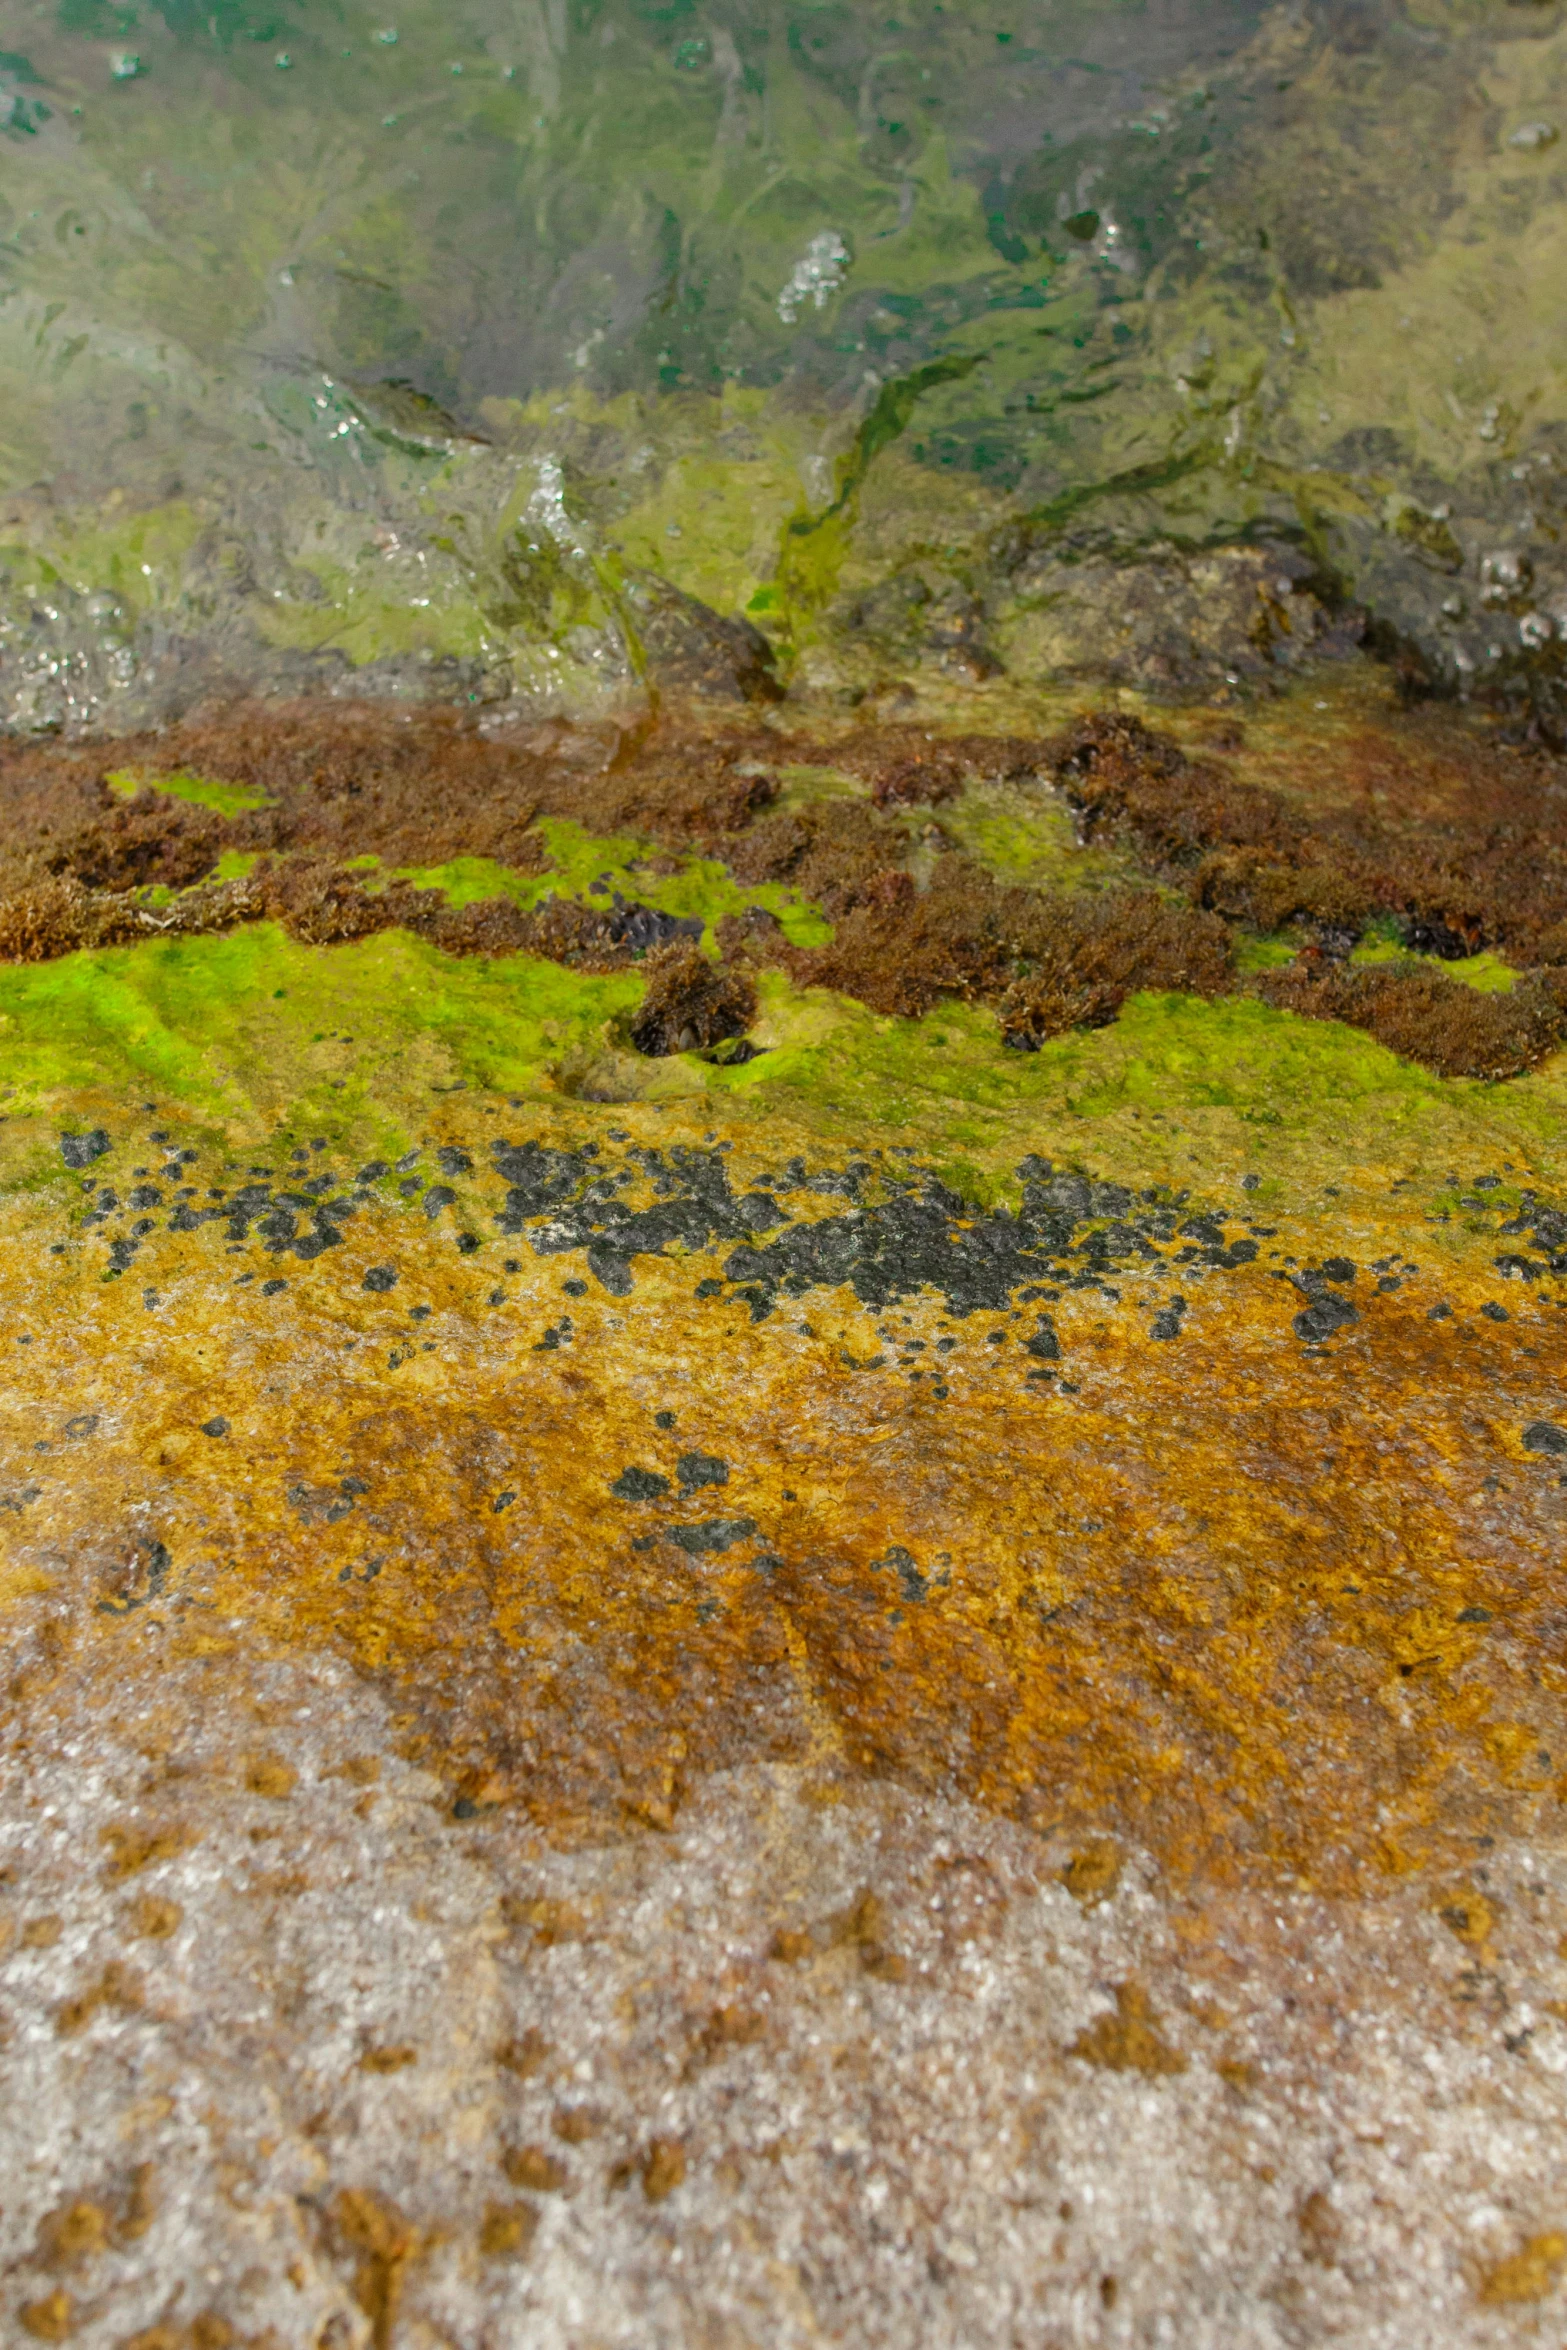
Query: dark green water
x=482 y=348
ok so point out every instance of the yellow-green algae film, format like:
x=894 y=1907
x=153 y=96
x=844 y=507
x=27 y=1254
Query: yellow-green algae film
x=252 y=1025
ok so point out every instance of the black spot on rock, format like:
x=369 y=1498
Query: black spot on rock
x=380 y=1277
x=1493 y=1312
x=1474 y=1615
x=1544 y=1436
x=319 y=1505
x=216 y=1426
x=1335 y=1269
x=1323 y=1316
x=696 y=1469
x=1168 y=1324
x=612 y=1269
x=372 y=1171
x=145 y=1195
x=636 y=1484
x=452 y=1161
x=85 y=1424
x=271 y=1288
x=914 y=1585
x=663 y=1419
x=80 y=1150
x=439 y=1195
x=467 y=1243
x=714 y=1534
x=315 y=1243
x=143 y=1580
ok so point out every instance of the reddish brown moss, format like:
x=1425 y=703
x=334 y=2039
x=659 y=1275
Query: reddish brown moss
x=690 y=1003
x=1427 y=1017
x=1486 y=867
x=838 y=853
x=1484 y=864
x=970 y=936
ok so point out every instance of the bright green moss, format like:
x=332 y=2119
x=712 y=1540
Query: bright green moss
x=223 y=799
x=701 y=887
x=252 y=1030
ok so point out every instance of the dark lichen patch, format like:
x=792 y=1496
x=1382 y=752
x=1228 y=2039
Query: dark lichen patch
x=1325 y=1316
x=711 y=1536
x=696 y=1469
x=80 y=1150
x=638 y=1484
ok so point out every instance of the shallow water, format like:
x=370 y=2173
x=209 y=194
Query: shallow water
x=419 y=345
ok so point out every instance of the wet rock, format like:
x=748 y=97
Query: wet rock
x=692 y=649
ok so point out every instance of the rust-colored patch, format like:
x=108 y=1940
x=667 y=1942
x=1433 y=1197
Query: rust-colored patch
x=48 y=2320
x=1321 y=2229
x=155 y=1919
x=383 y=2244
x=1529 y=2274
x=388 y=2060
x=1270 y=1584
x=117 y=1988
x=1129 y=2040
x=132 y=1849
x=507 y=2230
x=663 y=2168
x=74 y=2234
x=1092 y=1875
x=535 y=2168
x=525 y=2055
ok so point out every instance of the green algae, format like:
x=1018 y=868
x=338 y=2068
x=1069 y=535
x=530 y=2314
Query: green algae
x=251 y=1031
x=1031 y=841
x=1485 y=972
x=198 y=791
x=701 y=887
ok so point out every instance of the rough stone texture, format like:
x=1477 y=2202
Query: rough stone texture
x=831 y=2062
x=436 y=1910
